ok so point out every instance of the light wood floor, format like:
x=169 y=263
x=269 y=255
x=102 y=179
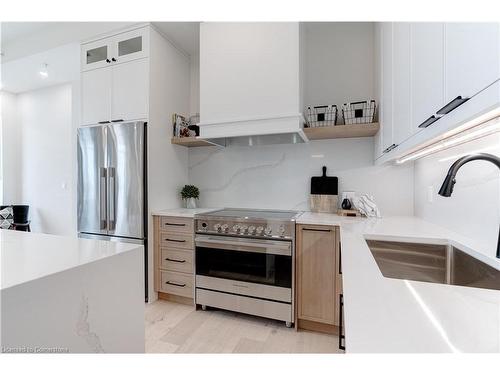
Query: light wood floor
x=177 y=328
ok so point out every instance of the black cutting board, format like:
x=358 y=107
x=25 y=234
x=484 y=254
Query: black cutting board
x=324 y=185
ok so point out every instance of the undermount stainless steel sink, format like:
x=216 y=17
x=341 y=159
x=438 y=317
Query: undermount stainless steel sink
x=441 y=264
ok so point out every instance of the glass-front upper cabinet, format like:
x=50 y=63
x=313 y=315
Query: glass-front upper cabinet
x=96 y=54
x=131 y=45
x=120 y=48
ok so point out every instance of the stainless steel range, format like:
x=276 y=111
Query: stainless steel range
x=245 y=262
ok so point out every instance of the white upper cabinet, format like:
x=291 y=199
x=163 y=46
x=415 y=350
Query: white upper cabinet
x=401 y=81
x=96 y=96
x=248 y=70
x=119 y=48
x=386 y=101
x=427 y=75
x=96 y=54
x=131 y=45
x=116 y=88
x=130 y=88
x=472 y=58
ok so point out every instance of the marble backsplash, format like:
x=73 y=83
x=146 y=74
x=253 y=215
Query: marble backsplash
x=278 y=176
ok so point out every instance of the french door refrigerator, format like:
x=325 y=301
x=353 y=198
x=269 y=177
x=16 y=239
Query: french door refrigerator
x=112 y=184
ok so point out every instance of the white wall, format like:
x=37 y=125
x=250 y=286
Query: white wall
x=47 y=161
x=474 y=208
x=11 y=149
x=194 y=87
x=339 y=58
x=278 y=176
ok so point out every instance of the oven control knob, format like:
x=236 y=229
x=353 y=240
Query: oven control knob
x=268 y=231
x=225 y=227
x=244 y=229
x=236 y=228
x=281 y=230
x=260 y=230
x=251 y=229
x=217 y=227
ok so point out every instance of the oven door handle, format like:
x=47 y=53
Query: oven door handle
x=253 y=246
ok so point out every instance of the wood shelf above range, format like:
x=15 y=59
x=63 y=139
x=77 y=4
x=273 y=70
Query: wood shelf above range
x=342 y=131
x=190 y=142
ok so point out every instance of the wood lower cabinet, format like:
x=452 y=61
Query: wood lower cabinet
x=174 y=258
x=318 y=282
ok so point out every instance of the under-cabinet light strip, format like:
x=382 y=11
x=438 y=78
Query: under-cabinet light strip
x=480 y=126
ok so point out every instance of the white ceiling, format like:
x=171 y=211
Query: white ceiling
x=21 y=39
x=185 y=35
x=15 y=30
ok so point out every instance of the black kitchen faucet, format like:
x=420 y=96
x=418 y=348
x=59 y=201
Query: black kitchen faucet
x=449 y=181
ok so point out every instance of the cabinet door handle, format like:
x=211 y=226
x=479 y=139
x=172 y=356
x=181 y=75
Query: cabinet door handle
x=341 y=323
x=172 y=240
x=457 y=102
x=108 y=61
x=316 y=230
x=175 y=260
x=175 y=284
x=176 y=224
x=103 y=122
x=431 y=120
x=119 y=120
x=113 y=59
x=340 y=258
x=390 y=148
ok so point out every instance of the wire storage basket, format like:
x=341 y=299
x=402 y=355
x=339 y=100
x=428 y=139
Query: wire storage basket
x=361 y=112
x=321 y=115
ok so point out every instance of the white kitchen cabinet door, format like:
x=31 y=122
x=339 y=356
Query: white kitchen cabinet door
x=96 y=54
x=96 y=96
x=378 y=87
x=427 y=75
x=386 y=101
x=130 y=88
x=401 y=82
x=472 y=58
x=131 y=45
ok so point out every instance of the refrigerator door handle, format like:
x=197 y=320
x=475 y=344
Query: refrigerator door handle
x=103 y=201
x=112 y=198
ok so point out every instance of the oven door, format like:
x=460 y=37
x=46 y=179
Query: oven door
x=267 y=262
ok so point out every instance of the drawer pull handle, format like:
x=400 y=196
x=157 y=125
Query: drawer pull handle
x=457 y=102
x=316 y=230
x=175 y=284
x=171 y=240
x=240 y=286
x=176 y=260
x=176 y=224
x=429 y=121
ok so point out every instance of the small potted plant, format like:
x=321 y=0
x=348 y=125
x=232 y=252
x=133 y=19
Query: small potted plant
x=190 y=193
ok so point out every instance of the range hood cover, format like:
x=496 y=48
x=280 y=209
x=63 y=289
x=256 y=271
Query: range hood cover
x=257 y=131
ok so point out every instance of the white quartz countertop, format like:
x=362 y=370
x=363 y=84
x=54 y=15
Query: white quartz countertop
x=392 y=315
x=182 y=212
x=27 y=256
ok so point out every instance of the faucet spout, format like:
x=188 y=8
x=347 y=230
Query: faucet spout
x=449 y=181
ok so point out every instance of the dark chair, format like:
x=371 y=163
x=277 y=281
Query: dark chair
x=6 y=217
x=20 y=217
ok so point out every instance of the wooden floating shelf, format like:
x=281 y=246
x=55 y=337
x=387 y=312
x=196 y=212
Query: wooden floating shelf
x=190 y=142
x=342 y=131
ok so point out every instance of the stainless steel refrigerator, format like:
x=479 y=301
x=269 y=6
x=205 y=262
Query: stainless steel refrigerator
x=112 y=184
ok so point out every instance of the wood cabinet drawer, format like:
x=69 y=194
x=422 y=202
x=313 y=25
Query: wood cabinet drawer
x=176 y=240
x=180 y=284
x=176 y=224
x=177 y=260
